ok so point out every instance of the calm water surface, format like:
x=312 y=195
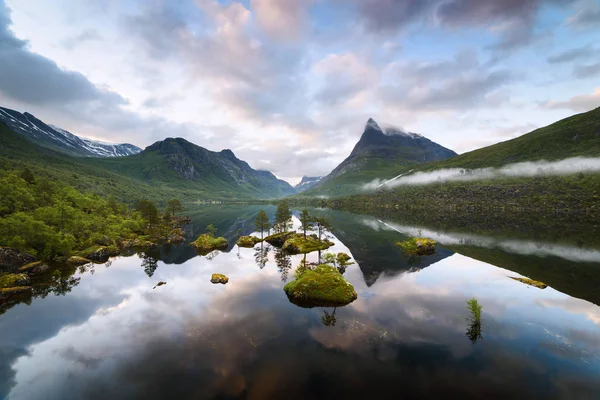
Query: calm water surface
x=103 y=332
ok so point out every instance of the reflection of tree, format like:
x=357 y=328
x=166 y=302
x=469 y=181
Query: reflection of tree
x=149 y=264
x=261 y=255
x=284 y=264
x=474 y=329
x=329 y=319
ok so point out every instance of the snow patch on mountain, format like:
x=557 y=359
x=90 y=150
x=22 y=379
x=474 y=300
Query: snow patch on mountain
x=60 y=139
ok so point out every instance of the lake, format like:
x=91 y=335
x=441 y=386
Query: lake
x=105 y=332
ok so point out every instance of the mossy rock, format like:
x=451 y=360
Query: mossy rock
x=36 y=267
x=248 y=241
x=323 y=286
x=279 y=239
x=11 y=259
x=14 y=280
x=99 y=254
x=417 y=246
x=75 y=261
x=298 y=244
x=176 y=236
x=530 y=282
x=207 y=243
x=15 y=290
x=219 y=278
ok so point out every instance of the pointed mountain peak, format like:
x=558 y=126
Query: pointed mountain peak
x=372 y=124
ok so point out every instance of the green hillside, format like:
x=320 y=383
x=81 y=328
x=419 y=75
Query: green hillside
x=128 y=179
x=575 y=136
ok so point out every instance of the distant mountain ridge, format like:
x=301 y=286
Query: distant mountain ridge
x=176 y=162
x=307 y=182
x=62 y=140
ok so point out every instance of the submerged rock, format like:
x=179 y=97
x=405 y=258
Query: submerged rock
x=278 y=239
x=207 y=243
x=530 y=282
x=323 y=286
x=11 y=259
x=248 y=241
x=34 y=268
x=417 y=246
x=219 y=278
x=298 y=244
x=159 y=284
x=75 y=261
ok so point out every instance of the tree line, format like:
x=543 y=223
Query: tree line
x=283 y=221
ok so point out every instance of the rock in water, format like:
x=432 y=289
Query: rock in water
x=34 y=268
x=75 y=261
x=322 y=287
x=11 y=259
x=248 y=241
x=219 y=278
x=159 y=284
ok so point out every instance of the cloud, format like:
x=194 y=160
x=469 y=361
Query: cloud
x=587 y=71
x=284 y=20
x=579 y=53
x=512 y=20
x=457 y=84
x=587 y=17
x=580 y=103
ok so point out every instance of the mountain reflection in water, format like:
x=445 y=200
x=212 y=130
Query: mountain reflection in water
x=114 y=336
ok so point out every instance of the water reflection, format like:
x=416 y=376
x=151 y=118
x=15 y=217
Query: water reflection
x=149 y=264
x=112 y=336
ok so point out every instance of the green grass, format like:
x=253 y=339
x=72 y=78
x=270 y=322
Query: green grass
x=207 y=243
x=298 y=244
x=575 y=136
x=417 y=246
x=323 y=286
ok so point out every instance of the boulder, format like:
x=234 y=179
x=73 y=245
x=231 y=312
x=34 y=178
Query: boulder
x=11 y=260
x=323 y=286
x=34 y=268
x=278 y=239
x=219 y=278
x=298 y=244
x=176 y=236
x=248 y=241
x=75 y=261
x=207 y=243
x=98 y=254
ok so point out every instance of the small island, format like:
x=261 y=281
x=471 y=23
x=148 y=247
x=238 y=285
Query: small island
x=207 y=242
x=417 y=246
x=323 y=286
x=248 y=241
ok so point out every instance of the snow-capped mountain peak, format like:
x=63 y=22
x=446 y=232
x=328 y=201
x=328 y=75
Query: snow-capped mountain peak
x=60 y=139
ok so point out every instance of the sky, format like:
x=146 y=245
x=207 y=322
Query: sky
x=288 y=85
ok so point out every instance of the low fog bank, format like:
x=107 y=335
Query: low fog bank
x=523 y=169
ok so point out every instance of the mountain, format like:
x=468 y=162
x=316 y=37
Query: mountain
x=175 y=162
x=167 y=169
x=574 y=136
x=307 y=182
x=61 y=140
x=379 y=153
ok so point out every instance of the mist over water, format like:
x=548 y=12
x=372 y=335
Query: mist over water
x=522 y=169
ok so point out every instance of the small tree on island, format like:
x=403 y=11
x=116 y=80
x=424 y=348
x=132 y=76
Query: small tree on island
x=261 y=222
x=306 y=221
x=211 y=230
x=174 y=206
x=283 y=215
x=149 y=212
x=323 y=224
